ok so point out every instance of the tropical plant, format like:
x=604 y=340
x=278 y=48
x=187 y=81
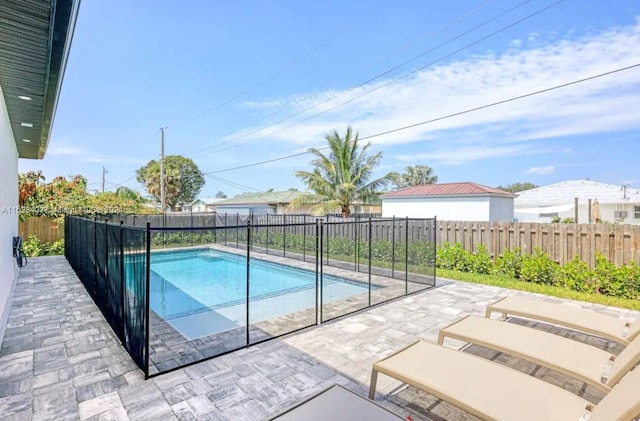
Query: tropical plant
x=221 y=195
x=343 y=177
x=414 y=176
x=183 y=180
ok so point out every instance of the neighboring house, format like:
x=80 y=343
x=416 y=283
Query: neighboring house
x=617 y=203
x=205 y=204
x=450 y=201
x=36 y=36
x=276 y=202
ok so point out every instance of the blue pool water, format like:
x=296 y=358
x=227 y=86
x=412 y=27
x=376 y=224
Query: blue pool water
x=200 y=290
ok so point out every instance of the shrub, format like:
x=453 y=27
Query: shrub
x=539 y=268
x=576 y=275
x=33 y=247
x=510 y=263
x=481 y=261
x=454 y=257
x=568 y=220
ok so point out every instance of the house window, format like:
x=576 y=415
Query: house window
x=622 y=214
x=549 y=215
x=636 y=212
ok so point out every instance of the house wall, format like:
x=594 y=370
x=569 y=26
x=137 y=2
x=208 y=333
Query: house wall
x=246 y=209
x=8 y=213
x=608 y=211
x=500 y=209
x=444 y=208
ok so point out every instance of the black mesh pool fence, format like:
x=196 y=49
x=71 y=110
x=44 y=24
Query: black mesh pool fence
x=199 y=286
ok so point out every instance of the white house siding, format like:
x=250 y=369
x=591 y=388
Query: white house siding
x=608 y=211
x=463 y=208
x=500 y=209
x=8 y=212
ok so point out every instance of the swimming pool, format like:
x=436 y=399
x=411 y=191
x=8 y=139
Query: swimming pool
x=203 y=291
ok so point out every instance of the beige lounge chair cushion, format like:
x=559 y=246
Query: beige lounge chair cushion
x=575 y=359
x=587 y=321
x=481 y=387
x=622 y=403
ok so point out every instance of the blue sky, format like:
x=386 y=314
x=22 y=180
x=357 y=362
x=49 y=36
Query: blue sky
x=242 y=82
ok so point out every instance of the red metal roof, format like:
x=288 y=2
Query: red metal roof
x=448 y=189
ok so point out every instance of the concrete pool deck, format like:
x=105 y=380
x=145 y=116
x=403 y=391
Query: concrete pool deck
x=60 y=360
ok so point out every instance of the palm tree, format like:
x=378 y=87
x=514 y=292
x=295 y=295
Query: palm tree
x=414 y=176
x=343 y=177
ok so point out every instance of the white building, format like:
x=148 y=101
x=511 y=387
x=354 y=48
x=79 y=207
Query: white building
x=617 y=203
x=36 y=36
x=451 y=202
x=204 y=204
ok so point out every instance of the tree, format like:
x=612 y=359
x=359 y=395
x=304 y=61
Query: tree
x=221 y=195
x=126 y=193
x=183 y=180
x=517 y=187
x=414 y=176
x=342 y=177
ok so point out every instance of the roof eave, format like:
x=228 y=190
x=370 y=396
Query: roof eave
x=440 y=196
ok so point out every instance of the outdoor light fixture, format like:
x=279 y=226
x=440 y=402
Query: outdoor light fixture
x=26 y=140
x=24 y=97
x=26 y=124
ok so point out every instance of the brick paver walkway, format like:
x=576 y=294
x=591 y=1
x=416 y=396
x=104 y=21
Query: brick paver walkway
x=60 y=360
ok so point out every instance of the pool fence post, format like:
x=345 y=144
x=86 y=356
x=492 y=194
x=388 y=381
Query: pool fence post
x=147 y=295
x=304 y=238
x=122 y=283
x=317 y=266
x=191 y=230
x=225 y=228
x=435 y=246
x=406 y=256
x=95 y=259
x=355 y=247
x=284 y=234
x=370 y=261
x=321 y=251
x=267 y=234
x=393 y=246
x=248 y=275
x=237 y=230
x=107 y=281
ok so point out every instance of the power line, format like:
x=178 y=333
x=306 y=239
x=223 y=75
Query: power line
x=231 y=183
x=429 y=35
x=470 y=110
x=272 y=76
x=382 y=74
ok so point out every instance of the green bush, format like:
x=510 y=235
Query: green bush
x=33 y=247
x=481 y=261
x=510 y=263
x=577 y=275
x=539 y=268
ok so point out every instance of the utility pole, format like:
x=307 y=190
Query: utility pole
x=163 y=203
x=104 y=177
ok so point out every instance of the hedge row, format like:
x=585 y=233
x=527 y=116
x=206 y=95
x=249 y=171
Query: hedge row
x=605 y=278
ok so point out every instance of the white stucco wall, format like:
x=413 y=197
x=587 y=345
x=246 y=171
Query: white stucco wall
x=606 y=209
x=8 y=213
x=444 y=208
x=501 y=209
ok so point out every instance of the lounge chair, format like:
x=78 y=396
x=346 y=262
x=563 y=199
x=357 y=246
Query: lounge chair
x=576 y=359
x=611 y=328
x=494 y=392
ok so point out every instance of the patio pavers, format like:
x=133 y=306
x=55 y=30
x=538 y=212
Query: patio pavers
x=60 y=360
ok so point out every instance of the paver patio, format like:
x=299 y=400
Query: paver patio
x=60 y=360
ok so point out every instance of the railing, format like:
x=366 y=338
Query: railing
x=176 y=295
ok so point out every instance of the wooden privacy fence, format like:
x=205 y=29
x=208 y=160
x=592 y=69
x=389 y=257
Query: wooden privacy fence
x=46 y=229
x=562 y=242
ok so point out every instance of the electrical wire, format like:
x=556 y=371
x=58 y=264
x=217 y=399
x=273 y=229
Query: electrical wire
x=271 y=76
x=469 y=110
x=394 y=80
x=450 y=40
x=422 y=37
x=231 y=183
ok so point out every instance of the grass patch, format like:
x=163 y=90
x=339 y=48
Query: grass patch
x=555 y=291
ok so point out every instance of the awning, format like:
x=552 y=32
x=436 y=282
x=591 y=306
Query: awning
x=546 y=209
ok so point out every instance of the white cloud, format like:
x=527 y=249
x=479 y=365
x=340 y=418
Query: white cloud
x=541 y=170
x=64 y=150
x=474 y=81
